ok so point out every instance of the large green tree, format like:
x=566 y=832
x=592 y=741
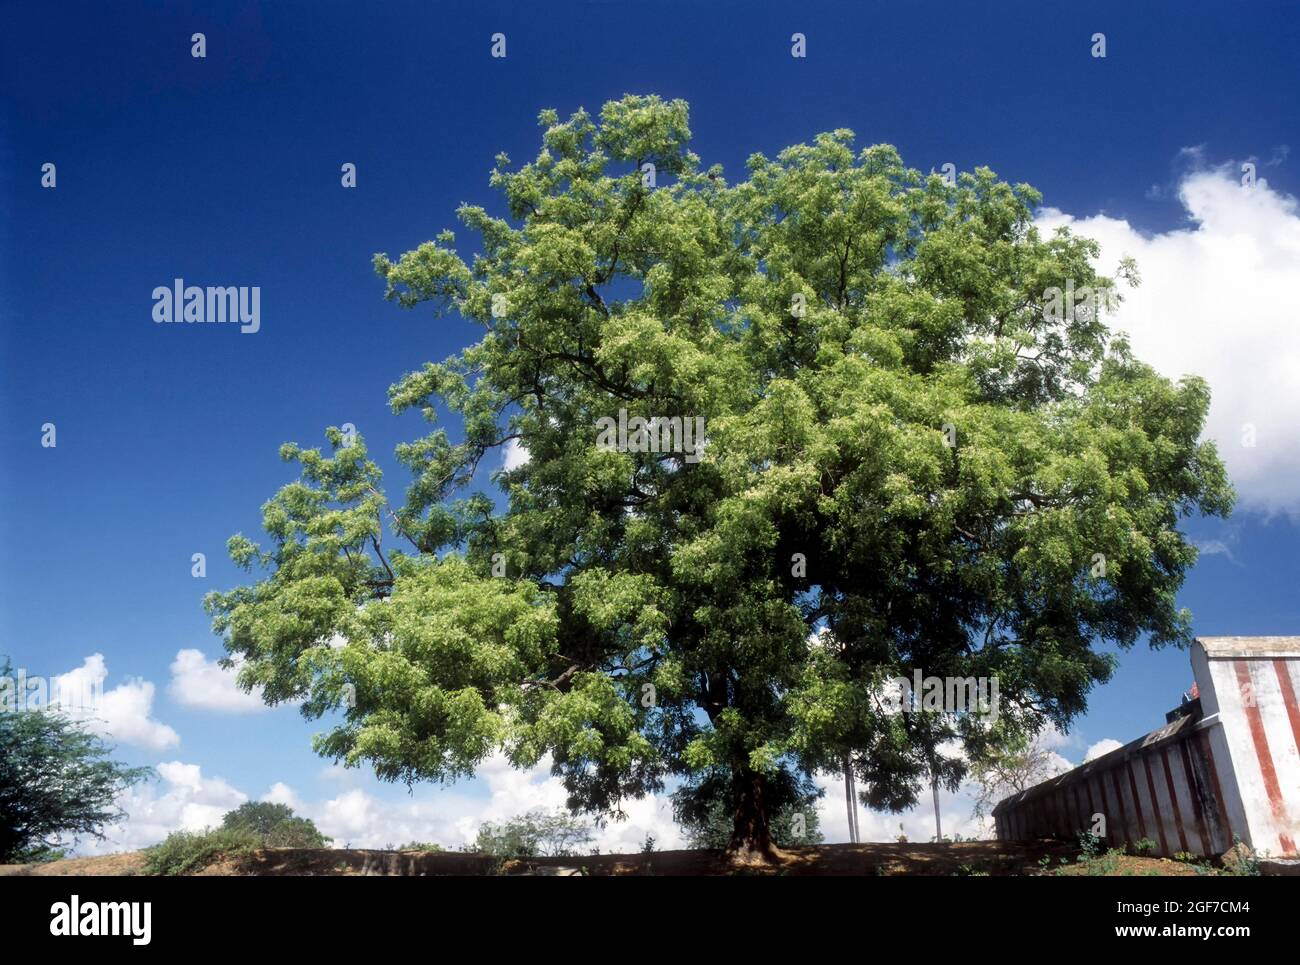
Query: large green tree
x=918 y=457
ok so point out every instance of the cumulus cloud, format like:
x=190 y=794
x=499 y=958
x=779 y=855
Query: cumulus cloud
x=513 y=455
x=281 y=793
x=202 y=683
x=1218 y=299
x=364 y=816
x=451 y=817
x=183 y=799
x=1101 y=748
x=122 y=714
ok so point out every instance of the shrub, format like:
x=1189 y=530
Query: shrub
x=430 y=846
x=185 y=852
x=251 y=826
x=1089 y=845
x=295 y=833
x=1144 y=846
x=539 y=832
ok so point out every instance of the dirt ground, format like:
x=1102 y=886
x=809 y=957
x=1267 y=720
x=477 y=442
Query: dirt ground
x=965 y=858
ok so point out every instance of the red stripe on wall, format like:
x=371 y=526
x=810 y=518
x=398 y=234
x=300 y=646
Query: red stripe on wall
x=1266 y=768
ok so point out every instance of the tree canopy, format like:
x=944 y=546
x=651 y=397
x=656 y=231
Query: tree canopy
x=57 y=783
x=275 y=825
x=539 y=832
x=916 y=458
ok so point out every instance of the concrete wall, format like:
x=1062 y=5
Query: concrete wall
x=1228 y=767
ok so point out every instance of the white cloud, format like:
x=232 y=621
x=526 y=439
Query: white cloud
x=1058 y=764
x=185 y=800
x=121 y=714
x=202 y=683
x=281 y=793
x=1102 y=747
x=350 y=819
x=513 y=455
x=1219 y=299
x=360 y=818
x=1219 y=547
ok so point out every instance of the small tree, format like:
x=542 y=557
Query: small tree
x=257 y=816
x=549 y=833
x=275 y=824
x=56 y=782
x=1011 y=768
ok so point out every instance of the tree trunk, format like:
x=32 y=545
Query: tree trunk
x=938 y=827
x=751 y=835
x=851 y=799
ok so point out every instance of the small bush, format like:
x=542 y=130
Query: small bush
x=1089 y=845
x=430 y=846
x=550 y=833
x=251 y=826
x=40 y=854
x=1106 y=864
x=1144 y=846
x=185 y=852
x=295 y=833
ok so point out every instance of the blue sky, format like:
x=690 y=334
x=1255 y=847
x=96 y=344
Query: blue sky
x=225 y=170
